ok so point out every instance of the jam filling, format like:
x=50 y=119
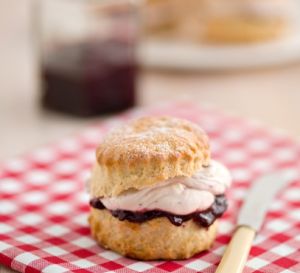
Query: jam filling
x=203 y=218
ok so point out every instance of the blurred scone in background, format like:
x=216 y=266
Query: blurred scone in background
x=219 y=21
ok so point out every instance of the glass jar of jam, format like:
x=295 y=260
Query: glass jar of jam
x=87 y=55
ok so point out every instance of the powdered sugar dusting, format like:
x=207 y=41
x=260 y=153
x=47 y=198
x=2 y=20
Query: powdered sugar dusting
x=160 y=136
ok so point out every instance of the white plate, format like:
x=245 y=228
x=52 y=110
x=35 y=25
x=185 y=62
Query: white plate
x=180 y=55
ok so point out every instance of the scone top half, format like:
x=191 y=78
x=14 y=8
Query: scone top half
x=146 y=152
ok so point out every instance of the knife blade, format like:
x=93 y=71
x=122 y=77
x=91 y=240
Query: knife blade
x=251 y=218
x=260 y=196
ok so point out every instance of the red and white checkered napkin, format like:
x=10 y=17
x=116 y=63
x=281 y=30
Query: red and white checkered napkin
x=43 y=205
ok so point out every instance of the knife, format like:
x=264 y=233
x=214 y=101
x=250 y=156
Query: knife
x=251 y=218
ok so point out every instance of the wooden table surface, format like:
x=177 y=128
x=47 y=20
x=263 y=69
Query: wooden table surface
x=270 y=95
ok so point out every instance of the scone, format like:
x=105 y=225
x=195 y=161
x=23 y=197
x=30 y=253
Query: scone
x=246 y=21
x=155 y=192
x=173 y=19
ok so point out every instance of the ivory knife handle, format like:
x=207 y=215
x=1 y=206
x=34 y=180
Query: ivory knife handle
x=236 y=253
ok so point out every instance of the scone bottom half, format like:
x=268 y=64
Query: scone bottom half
x=151 y=157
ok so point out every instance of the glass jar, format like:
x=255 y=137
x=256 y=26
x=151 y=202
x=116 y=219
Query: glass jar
x=87 y=55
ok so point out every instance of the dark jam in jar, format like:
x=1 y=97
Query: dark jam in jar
x=89 y=77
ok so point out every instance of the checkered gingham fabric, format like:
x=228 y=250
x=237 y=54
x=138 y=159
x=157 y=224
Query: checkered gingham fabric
x=44 y=206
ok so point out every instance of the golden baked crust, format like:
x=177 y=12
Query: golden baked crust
x=150 y=240
x=147 y=151
x=243 y=29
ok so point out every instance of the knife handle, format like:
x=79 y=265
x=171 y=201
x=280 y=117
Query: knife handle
x=237 y=251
